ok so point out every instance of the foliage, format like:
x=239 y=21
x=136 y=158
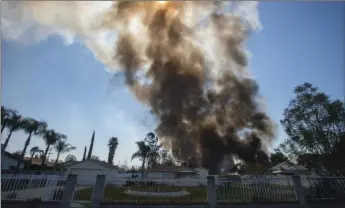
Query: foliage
x=70 y=157
x=6 y=115
x=91 y=145
x=13 y=122
x=35 y=150
x=51 y=137
x=17 y=154
x=62 y=147
x=142 y=154
x=277 y=157
x=166 y=158
x=315 y=126
x=112 y=144
x=94 y=157
x=33 y=128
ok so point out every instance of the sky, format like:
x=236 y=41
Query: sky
x=68 y=88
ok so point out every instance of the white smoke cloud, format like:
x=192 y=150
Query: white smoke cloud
x=33 y=21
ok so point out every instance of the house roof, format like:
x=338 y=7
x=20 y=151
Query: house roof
x=10 y=155
x=170 y=169
x=101 y=163
x=201 y=168
x=37 y=161
x=286 y=166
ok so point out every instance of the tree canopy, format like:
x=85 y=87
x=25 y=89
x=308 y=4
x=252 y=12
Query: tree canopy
x=315 y=126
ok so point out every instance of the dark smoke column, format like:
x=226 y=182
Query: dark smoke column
x=204 y=102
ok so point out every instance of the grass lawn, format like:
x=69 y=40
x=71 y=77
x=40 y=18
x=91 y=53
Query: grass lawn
x=116 y=194
x=232 y=192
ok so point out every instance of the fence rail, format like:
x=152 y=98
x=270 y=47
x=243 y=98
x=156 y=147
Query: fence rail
x=324 y=189
x=24 y=187
x=144 y=190
x=256 y=189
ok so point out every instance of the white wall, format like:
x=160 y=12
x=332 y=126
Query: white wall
x=201 y=172
x=161 y=175
x=87 y=172
x=8 y=162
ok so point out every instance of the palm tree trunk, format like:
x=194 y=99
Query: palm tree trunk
x=6 y=143
x=30 y=161
x=27 y=142
x=44 y=156
x=57 y=158
x=143 y=167
x=2 y=127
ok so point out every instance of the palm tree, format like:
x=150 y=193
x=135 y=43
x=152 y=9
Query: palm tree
x=13 y=123
x=91 y=146
x=5 y=116
x=112 y=144
x=62 y=147
x=142 y=154
x=50 y=138
x=33 y=151
x=32 y=127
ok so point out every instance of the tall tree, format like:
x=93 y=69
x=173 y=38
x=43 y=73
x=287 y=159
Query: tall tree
x=142 y=154
x=94 y=157
x=14 y=123
x=84 y=155
x=70 y=158
x=6 y=115
x=51 y=138
x=17 y=154
x=166 y=158
x=62 y=147
x=315 y=126
x=33 y=151
x=112 y=144
x=91 y=146
x=277 y=157
x=32 y=127
x=153 y=156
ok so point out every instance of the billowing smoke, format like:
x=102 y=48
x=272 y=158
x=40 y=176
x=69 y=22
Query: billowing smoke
x=185 y=60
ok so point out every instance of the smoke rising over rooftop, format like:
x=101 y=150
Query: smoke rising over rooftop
x=185 y=60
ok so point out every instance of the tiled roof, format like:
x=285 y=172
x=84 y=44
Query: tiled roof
x=37 y=161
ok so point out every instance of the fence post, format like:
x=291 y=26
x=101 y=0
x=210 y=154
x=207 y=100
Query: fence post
x=296 y=180
x=68 y=191
x=211 y=192
x=97 y=193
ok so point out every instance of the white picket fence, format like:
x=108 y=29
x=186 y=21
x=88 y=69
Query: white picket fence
x=23 y=187
x=266 y=188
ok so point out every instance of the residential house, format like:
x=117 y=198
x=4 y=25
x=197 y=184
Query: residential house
x=287 y=168
x=88 y=170
x=36 y=163
x=9 y=163
x=177 y=172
